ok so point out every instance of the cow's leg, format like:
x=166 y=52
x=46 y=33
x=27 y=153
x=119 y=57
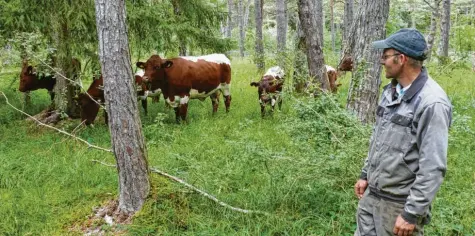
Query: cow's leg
x=184 y=106
x=214 y=102
x=177 y=115
x=51 y=94
x=263 y=110
x=144 y=105
x=226 y=89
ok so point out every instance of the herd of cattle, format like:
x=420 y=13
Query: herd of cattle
x=178 y=80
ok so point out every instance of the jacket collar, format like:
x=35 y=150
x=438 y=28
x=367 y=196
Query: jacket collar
x=417 y=85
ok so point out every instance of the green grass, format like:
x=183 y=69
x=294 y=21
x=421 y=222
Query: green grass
x=299 y=165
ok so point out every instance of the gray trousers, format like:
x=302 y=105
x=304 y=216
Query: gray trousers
x=376 y=216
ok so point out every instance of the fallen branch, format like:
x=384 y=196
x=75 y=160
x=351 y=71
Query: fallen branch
x=213 y=198
x=51 y=127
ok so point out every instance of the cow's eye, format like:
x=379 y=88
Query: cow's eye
x=156 y=67
x=271 y=83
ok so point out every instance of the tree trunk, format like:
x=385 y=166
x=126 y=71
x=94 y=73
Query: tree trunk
x=300 y=75
x=181 y=38
x=320 y=21
x=246 y=16
x=369 y=26
x=315 y=60
x=332 y=24
x=347 y=20
x=229 y=28
x=433 y=27
x=121 y=103
x=241 y=27
x=443 y=51
x=259 y=58
x=281 y=17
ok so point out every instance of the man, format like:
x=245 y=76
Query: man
x=407 y=157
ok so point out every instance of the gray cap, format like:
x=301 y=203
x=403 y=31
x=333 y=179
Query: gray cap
x=409 y=42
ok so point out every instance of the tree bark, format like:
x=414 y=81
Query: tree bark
x=229 y=28
x=368 y=26
x=241 y=27
x=281 y=18
x=332 y=24
x=320 y=21
x=259 y=58
x=121 y=103
x=444 y=30
x=315 y=60
x=300 y=75
x=347 y=19
x=435 y=15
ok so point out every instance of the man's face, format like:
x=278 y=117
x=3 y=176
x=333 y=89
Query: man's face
x=391 y=60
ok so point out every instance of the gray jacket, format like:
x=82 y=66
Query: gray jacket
x=407 y=158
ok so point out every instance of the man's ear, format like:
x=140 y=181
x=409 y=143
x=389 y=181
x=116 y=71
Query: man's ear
x=167 y=64
x=256 y=84
x=140 y=65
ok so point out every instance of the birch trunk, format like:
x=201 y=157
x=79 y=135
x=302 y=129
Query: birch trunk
x=229 y=28
x=121 y=103
x=241 y=27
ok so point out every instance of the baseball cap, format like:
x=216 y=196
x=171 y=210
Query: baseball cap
x=408 y=41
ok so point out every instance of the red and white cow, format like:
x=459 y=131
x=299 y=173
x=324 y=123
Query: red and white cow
x=90 y=104
x=269 y=88
x=186 y=78
x=332 y=77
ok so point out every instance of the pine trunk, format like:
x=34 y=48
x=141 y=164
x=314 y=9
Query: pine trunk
x=281 y=17
x=347 y=19
x=229 y=28
x=300 y=75
x=259 y=60
x=444 y=30
x=332 y=24
x=121 y=103
x=241 y=27
x=369 y=26
x=435 y=15
x=315 y=60
x=318 y=6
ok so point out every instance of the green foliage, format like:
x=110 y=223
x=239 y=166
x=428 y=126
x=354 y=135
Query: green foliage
x=298 y=164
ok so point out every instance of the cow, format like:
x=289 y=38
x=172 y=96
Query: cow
x=269 y=88
x=30 y=80
x=332 y=77
x=185 y=78
x=90 y=104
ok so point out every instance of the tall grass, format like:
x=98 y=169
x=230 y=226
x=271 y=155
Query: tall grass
x=298 y=164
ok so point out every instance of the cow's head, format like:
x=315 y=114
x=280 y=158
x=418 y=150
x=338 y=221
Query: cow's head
x=346 y=64
x=267 y=86
x=27 y=78
x=154 y=68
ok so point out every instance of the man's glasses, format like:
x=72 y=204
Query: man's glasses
x=385 y=57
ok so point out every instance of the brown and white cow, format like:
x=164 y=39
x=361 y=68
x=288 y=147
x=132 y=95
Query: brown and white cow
x=269 y=88
x=332 y=77
x=186 y=78
x=90 y=104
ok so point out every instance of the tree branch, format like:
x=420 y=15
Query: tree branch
x=51 y=127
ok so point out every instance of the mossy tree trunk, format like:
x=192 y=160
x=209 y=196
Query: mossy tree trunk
x=368 y=26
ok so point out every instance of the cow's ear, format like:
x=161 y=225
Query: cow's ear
x=29 y=70
x=140 y=65
x=256 y=84
x=167 y=64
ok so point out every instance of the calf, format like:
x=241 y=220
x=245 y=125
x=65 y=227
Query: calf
x=90 y=104
x=332 y=77
x=269 y=88
x=186 y=78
